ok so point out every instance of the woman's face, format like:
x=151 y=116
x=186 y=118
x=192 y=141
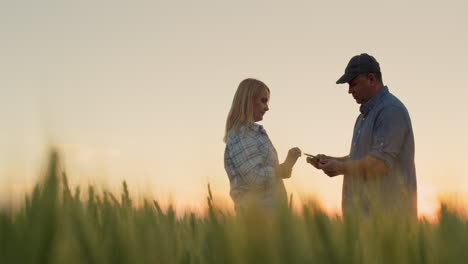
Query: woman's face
x=261 y=105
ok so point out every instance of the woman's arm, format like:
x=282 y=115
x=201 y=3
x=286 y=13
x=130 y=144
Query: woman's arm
x=285 y=168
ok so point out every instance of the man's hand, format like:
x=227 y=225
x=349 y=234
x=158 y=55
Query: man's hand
x=367 y=167
x=317 y=160
x=332 y=167
x=313 y=162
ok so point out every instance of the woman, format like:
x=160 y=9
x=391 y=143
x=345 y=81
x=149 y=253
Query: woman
x=250 y=160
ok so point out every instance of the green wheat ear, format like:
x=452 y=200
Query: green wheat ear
x=57 y=225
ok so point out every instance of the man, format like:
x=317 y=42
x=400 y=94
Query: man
x=379 y=172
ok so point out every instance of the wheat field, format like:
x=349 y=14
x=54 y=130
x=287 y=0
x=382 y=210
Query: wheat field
x=58 y=225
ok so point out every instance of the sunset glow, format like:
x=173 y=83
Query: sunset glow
x=141 y=92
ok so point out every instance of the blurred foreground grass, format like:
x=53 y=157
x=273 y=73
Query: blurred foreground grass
x=55 y=226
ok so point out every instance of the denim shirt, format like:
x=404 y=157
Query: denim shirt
x=383 y=130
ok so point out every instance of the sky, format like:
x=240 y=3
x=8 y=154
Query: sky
x=140 y=90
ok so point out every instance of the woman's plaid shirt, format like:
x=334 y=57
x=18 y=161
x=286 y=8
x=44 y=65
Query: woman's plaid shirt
x=251 y=163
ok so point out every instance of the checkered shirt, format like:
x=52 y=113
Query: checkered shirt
x=251 y=163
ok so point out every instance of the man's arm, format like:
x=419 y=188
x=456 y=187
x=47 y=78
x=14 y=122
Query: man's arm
x=367 y=167
x=388 y=136
x=321 y=157
x=344 y=158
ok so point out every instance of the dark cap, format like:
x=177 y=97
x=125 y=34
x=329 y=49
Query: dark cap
x=358 y=64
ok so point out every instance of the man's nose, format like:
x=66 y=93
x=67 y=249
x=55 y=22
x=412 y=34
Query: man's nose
x=350 y=90
x=266 y=108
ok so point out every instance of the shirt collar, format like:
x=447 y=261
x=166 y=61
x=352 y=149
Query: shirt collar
x=258 y=128
x=375 y=100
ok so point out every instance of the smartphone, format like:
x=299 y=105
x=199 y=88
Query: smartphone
x=310 y=155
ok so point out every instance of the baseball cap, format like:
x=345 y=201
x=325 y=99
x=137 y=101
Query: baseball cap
x=358 y=64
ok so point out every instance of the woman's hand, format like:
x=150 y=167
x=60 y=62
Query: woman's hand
x=286 y=167
x=293 y=155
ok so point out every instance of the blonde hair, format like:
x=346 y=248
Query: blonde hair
x=241 y=113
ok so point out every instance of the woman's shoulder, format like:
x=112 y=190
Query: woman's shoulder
x=245 y=131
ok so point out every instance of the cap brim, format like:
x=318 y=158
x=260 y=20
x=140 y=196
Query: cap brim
x=345 y=78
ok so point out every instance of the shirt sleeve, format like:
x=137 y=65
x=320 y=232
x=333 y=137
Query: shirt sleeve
x=391 y=128
x=250 y=162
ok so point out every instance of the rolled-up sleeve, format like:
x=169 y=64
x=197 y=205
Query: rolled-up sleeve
x=250 y=162
x=391 y=127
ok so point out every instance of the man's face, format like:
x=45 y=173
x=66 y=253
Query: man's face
x=360 y=88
